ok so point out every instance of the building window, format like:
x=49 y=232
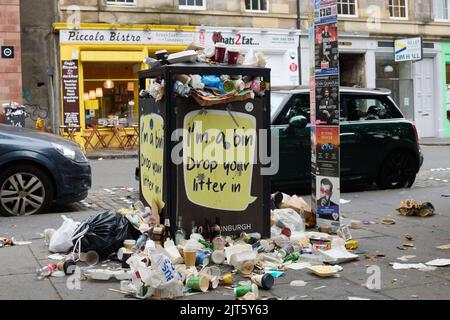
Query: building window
x=347 y=7
x=256 y=5
x=442 y=9
x=121 y=2
x=193 y=4
x=398 y=9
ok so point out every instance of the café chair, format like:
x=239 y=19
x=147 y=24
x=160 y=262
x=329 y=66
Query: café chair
x=88 y=135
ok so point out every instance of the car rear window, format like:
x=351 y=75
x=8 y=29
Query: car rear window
x=368 y=108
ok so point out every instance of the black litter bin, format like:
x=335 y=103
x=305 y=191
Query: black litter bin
x=210 y=186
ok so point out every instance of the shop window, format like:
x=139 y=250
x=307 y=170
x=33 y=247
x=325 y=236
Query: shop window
x=398 y=9
x=110 y=94
x=441 y=9
x=347 y=7
x=193 y=4
x=121 y=2
x=256 y=5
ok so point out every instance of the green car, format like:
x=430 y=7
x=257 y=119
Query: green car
x=377 y=143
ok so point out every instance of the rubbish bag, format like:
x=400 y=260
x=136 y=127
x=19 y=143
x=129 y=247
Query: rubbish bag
x=105 y=233
x=61 y=241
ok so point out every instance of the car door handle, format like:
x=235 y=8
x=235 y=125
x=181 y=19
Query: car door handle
x=349 y=134
x=426 y=115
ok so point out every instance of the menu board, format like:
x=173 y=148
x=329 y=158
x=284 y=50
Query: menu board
x=71 y=93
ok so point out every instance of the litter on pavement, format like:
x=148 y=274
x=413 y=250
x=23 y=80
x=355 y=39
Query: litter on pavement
x=414 y=208
x=134 y=249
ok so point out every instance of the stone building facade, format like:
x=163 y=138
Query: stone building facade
x=10 y=62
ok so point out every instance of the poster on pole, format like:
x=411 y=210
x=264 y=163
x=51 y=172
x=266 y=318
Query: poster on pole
x=325 y=111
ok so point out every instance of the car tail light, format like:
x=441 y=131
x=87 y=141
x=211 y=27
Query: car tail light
x=415 y=132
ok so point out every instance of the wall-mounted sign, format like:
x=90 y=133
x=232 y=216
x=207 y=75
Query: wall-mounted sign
x=71 y=108
x=253 y=38
x=126 y=37
x=7 y=52
x=408 y=49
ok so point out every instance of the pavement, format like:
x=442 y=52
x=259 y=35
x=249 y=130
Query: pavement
x=434 y=141
x=377 y=243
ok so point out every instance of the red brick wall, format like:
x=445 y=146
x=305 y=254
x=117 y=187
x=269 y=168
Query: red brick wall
x=10 y=69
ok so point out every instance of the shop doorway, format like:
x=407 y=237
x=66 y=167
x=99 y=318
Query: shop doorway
x=353 y=69
x=424 y=107
x=397 y=78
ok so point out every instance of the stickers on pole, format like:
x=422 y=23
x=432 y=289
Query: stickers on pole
x=326 y=48
x=327 y=100
x=327 y=151
x=328 y=197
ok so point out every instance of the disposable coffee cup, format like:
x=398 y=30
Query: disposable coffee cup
x=221 y=48
x=129 y=244
x=202 y=258
x=264 y=281
x=241 y=291
x=218 y=257
x=246 y=267
x=233 y=56
x=190 y=257
x=239 y=85
x=198 y=284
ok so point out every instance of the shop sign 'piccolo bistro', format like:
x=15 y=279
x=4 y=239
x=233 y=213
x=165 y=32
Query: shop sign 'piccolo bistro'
x=99 y=65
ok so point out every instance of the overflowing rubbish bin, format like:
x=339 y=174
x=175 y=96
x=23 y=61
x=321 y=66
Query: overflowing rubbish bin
x=200 y=131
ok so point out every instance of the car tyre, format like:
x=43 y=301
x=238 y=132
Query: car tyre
x=398 y=170
x=25 y=190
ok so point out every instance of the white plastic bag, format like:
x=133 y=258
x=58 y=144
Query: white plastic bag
x=290 y=218
x=61 y=241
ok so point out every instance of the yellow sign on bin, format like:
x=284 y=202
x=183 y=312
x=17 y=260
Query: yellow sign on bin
x=152 y=158
x=218 y=158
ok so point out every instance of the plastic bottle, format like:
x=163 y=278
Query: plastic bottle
x=45 y=271
x=180 y=234
x=141 y=241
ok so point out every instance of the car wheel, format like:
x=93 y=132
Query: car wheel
x=24 y=190
x=398 y=171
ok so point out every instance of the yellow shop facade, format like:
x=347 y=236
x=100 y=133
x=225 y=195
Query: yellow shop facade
x=99 y=82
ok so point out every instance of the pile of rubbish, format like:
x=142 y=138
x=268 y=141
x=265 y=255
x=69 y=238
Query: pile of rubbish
x=210 y=90
x=153 y=261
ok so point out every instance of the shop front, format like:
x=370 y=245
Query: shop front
x=446 y=89
x=99 y=65
x=99 y=83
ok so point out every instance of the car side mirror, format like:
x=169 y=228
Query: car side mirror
x=298 y=122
